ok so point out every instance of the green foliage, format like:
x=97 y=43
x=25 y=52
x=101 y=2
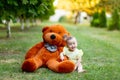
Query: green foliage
x=109 y=5
x=115 y=22
x=38 y=9
x=99 y=19
x=48 y=9
x=95 y=21
x=11 y=9
x=8 y=9
x=0 y=20
x=102 y=19
x=25 y=1
x=63 y=19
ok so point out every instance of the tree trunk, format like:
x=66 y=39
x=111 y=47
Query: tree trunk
x=22 y=24
x=33 y=22
x=77 y=17
x=28 y=23
x=8 y=29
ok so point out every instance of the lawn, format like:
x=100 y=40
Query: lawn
x=101 y=56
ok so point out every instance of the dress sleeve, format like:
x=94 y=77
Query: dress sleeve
x=80 y=53
x=64 y=51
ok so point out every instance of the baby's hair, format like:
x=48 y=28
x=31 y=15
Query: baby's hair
x=70 y=37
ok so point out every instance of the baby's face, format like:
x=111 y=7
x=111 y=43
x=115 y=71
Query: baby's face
x=72 y=44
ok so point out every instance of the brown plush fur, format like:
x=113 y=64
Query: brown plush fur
x=39 y=56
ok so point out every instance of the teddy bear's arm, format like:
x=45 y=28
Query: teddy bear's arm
x=33 y=51
x=60 y=49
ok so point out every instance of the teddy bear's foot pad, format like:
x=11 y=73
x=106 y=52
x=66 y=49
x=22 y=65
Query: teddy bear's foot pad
x=66 y=66
x=29 y=66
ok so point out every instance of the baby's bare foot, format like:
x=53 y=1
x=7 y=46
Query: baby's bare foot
x=82 y=71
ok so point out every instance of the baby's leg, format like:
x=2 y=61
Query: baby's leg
x=76 y=65
x=80 y=68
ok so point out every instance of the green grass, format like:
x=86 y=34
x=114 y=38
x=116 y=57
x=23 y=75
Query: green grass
x=101 y=54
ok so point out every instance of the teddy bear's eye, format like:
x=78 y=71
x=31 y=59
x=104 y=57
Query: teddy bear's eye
x=51 y=31
x=59 y=32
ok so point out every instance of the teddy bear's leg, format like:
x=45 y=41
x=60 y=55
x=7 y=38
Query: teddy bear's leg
x=31 y=64
x=62 y=67
x=66 y=66
x=53 y=65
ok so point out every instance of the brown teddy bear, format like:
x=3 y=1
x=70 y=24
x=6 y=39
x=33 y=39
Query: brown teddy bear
x=47 y=53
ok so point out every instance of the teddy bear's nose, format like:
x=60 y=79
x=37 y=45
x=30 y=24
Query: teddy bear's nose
x=52 y=36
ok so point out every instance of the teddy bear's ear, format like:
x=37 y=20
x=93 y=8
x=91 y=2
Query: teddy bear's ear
x=68 y=33
x=65 y=37
x=45 y=28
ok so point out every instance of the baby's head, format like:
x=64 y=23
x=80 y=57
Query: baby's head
x=71 y=43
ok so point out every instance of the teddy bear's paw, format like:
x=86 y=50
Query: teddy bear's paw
x=29 y=65
x=66 y=66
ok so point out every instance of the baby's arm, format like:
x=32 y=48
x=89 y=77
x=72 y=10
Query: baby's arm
x=62 y=56
x=80 y=56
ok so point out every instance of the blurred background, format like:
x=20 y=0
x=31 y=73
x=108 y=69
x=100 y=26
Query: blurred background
x=97 y=13
x=94 y=23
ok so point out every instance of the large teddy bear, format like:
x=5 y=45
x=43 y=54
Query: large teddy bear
x=47 y=53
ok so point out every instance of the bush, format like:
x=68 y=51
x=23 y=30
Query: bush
x=99 y=19
x=102 y=19
x=115 y=22
x=95 y=20
x=63 y=19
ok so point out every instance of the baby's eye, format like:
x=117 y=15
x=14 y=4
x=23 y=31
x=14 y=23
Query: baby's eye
x=69 y=43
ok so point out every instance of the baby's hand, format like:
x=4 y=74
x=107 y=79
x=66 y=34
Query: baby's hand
x=62 y=58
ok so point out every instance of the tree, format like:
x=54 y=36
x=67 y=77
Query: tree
x=7 y=12
x=77 y=6
x=33 y=9
x=102 y=19
x=115 y=21
x=25 y=9
x=113 y=7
